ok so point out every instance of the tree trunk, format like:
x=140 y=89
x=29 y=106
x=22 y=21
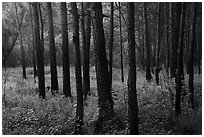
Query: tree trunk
x=180 y=61
x=191 y=74
x=80 y=108
x=111 y=45
x=158 y=69
x=132 y=93
x=167 y=36
x=86 y=34
x=40 y=58
x=23 y=62
x=143 y=52
x=176 y=12
x=148 y=56
x=33 y=42
x=41 y=28
x=121 y=46
x=88 y=38
x=53 y=66
x=65 y=51
x=105 y=101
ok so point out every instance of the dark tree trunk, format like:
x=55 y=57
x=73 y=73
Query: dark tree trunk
x=176 y=12
x=33 y=42
x=167 y=36
x=53 y=66
x=88 y=38
x=148 y=56
x=42 y=29
x=22 y=56
x=40 y=58
x=80 y=108
x=158 y=69
x=65 y=51
x=105 y=101
x=180 y=61
x=187 y=49
x=86 y=34
x=193 y=41
x=143 y=52
x=121 y=46
x=111 y=45
x=154 y=57
x=171 y=39
x=132 y=93
x=23 y=62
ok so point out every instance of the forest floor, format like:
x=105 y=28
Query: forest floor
x=24 y=113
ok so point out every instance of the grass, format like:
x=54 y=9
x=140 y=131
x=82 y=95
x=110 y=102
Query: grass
x=24 y=113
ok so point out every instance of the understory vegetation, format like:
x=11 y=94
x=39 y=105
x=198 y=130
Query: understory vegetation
x=24 y=113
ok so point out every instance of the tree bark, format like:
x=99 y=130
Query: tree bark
x=121 y=46
x=193 y=44
x=167 y=36
x=158 y=69
x=132 y=92
x=80 y=108
x=53 y=66
x=111 y=45
x=86 y=34
x=143 y=52
x=105 y=101
x=40 y=58
x=23 y=62
x=176 y=12
x=148 y=56
x=180 y=61
x=33 y=42
x=41 y=29
x=65 y=51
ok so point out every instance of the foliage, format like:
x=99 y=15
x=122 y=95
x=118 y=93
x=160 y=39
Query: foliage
x=24 y=113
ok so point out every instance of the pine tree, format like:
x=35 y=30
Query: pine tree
x=132 y=92
x=65 y=51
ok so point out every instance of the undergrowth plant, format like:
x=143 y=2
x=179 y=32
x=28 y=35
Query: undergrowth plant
x=26 y=114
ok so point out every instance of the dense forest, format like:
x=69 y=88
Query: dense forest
x=98 y=68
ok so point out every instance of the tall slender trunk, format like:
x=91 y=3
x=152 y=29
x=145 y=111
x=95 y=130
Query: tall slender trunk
x=121 y=46
x=40 y=61
x=143 y=52
x=86 y=74
x=180 y=61
x=23 y=62
x=167 y=35
x=80 y=107
x=105 y=101
x=42 y=28
x=111 y=46
x=53 y=66
x=176 y=12
x=65 y=51
x=33 y=42
x=132 y=92
x=187 y=40
x=157 y=70
x=193 y=43
x=148 y=56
